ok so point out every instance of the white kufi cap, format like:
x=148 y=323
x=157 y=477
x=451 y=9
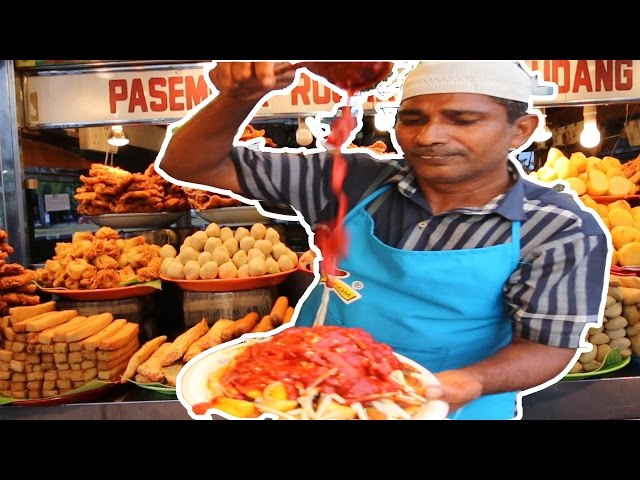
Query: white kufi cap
x=497 y=78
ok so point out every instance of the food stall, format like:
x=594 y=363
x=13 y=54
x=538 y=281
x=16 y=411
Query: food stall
x=104 y=94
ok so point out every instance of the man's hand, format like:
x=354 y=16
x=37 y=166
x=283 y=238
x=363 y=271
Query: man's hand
x=249 y=80
x=457 y=388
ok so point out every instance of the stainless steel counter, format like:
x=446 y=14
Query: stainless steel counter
x=612 y=396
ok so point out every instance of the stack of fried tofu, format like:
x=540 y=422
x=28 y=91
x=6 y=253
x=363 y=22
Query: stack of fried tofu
x=45 y=352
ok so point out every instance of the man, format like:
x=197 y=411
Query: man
x=463 y=265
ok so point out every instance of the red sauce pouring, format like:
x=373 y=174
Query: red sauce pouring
x=346 y=361
x=332 y=238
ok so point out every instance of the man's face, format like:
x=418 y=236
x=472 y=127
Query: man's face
x=455 y=138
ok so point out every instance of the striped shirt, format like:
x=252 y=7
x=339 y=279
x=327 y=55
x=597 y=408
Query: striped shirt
x=559 y=283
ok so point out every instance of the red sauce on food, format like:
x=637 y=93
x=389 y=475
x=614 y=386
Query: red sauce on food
x=300 y=356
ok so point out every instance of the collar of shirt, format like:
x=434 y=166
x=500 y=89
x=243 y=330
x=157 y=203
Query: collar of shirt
x=509 y=204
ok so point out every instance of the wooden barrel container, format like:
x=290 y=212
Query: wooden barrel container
x=230 y=305
x=137 y=310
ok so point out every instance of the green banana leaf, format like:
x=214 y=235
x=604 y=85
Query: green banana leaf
x=157 y=284
x=156 y=387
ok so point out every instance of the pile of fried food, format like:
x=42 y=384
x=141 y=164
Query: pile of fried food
x=115 y=190
x=99 y=261
x=46 y=352
x=220 y=252
x=159 y=361
x=378 y=147
x=317 y=373
x=250 y=132
x=16 y=282
x=203 y=200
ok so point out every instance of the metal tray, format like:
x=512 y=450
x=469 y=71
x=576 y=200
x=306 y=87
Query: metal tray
x=234 y=216
x=136 y=220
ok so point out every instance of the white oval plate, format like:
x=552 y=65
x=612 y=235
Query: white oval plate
x=191 y=384
x=136 y=220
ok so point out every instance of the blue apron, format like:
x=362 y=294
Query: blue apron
x=443 y=309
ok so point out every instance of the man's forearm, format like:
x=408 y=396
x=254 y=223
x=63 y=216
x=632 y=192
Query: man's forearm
x=521 y=365
x=199 y=151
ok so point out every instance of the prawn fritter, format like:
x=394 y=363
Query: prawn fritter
x=107 y=233
x=11 y=269
x=85 y=196
x=14 y=281
x=3 y=236
x=137 y=208
x=106 y=279
x=4 y=308
x=107 y=190
x=91 y=209
x=20 y=299
x=143 y=194
x=3 y=256
x=30 y=289
x=6 y=248
x=175 y=205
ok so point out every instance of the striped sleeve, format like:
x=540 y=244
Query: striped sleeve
x=553 y=295
x=301 y=181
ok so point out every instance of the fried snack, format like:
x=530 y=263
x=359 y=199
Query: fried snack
x=14 y=281
x=126 y=335
x=11 y=269
x=100 y=261
x=141 y=356
x=58 y=333
x=44 y=321
x=288 y=315
x=240 y=327
x=19 y=314
x=317 y=373
x=208 y=340
x=183 y=342
x=171 y=373
x=263 y=325
x=306 y=260
x=93 y=325
x=142 y=379
x=152 y=367
x=278 y=311
x=94 y=340
x=112 y=373
x=125 y=355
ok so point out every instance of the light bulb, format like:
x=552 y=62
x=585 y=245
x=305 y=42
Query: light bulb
x=117 y=137
x=380 y=122
x=304 y=137
x=543 y=132
x=590 y=136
